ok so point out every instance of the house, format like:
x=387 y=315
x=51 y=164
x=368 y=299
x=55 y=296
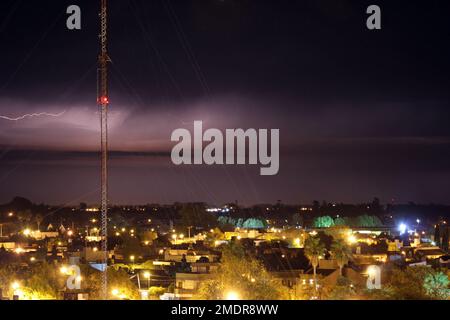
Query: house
x=289 y=279
x=355 y=277
x=192 y=253
x=187 y=285
x=428 y=253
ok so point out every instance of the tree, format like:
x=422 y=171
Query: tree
x=342 y=253
x=119 y=284
x=445 y=239
x=414 y=283
x=437 y=235
x=323 y=222
x=45 y=283
x=132 y=247
x=368 y=221
x=343 y=290
x=313 y=250
x=243 y=274
x=40 y=282
x=253 y=223
x=316 y=207
x=297 y=219
x=214 y=236
x=437 y=285
x=24 y=218
x=196 y=215
x=39 y=218
x=376 y=206
x=340 y=221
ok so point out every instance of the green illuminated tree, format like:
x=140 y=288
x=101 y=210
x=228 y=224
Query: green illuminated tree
x=437 y=285
x=253 y=223
x=323 y=222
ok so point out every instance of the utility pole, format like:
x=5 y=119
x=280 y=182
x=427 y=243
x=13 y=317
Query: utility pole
x=189 y=233
x=103 y=101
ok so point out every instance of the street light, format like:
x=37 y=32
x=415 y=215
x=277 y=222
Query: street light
x=351 y=239
x=232 y=295
x=64 y=270
x=15 y=285
x=116 y=293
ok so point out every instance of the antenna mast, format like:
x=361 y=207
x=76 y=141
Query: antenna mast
x=103 y=101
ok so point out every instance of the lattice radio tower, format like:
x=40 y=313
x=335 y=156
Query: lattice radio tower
x=103 y=101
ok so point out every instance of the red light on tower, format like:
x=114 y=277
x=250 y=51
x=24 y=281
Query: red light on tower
x=103 y=100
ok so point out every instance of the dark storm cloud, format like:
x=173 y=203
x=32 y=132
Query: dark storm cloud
x=360 y=113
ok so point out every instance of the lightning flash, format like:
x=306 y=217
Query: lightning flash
x=33 y=115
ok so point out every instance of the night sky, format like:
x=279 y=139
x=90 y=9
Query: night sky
x=361 y=113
